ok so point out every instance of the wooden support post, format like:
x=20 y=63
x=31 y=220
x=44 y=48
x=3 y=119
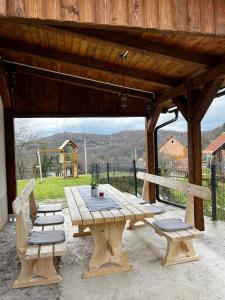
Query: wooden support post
x=150 y=190
x=198 y=104
x=194 y=155
x=10 y=157
x=4 y=88
x=149 y=193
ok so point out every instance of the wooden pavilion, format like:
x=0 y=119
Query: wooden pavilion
x=61 y=58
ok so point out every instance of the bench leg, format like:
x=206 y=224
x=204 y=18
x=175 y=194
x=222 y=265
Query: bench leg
x=36 y=272
x=132 y=225
x=81 y=231
x=179 y=252
x=107 y=257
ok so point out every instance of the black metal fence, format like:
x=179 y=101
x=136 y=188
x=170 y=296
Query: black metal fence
x=123 y=177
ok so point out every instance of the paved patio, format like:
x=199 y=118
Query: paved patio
x=199 y=280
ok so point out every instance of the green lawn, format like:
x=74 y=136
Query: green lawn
x=53 y=187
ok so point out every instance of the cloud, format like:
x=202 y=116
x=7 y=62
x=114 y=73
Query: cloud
x=46 y=126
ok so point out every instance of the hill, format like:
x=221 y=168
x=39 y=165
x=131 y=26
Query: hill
x=114 y=148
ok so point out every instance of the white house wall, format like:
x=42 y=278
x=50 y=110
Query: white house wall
x=3 y=190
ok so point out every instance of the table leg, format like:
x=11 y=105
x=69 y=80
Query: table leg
x=81 y=231
x=107 y=257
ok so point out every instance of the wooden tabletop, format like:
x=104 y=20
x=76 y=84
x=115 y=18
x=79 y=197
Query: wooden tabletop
x=80 y=215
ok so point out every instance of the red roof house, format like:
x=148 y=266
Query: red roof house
x=215 y=145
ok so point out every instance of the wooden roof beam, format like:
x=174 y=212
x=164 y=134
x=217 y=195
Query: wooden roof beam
x=121 y=39
x=213 y=73
x=128 y=42
x=75 y=80
x=207 y=94
x=28 y=50
x=4 y=88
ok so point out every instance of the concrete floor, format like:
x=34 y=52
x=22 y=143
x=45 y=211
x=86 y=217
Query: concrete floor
x=201 y=280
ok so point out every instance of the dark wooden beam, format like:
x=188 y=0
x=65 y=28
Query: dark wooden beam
x=196 y=82
x=194 y=155
x=150 y=124
x=142 y=46
x=206 y=97
x=154 y=118
x=4 y=88
x=10 y=157
x=33 y=52
x=75 y=80
x=181 y=103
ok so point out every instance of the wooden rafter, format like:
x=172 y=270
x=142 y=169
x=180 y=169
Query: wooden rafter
x=36 y=52
x=181 y=103
x=154 y=118
x=215 y=72
x=74 y=80
x=206 y=97
x=4 y=89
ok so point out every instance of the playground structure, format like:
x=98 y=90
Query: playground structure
x=68 y=159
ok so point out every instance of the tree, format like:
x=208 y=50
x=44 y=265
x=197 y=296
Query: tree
x=47 y=163
x=24 y=136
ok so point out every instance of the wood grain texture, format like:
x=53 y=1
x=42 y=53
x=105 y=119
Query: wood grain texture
x=194 y=156
x=194 y=15
x=151 y=9
x=3 y=8
x=220 y=16
x=208 y=17
x=166 y=17
x=179 y=15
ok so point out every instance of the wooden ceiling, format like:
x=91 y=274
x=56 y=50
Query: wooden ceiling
x=87 y=55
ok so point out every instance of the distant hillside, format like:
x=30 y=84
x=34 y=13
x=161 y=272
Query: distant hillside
x=116 y=148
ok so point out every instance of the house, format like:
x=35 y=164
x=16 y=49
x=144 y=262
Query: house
x=215 y=152
x=173 y=148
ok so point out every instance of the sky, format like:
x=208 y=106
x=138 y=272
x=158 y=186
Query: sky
x=215 y=117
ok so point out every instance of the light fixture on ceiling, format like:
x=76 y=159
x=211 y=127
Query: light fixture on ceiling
x=123 y=95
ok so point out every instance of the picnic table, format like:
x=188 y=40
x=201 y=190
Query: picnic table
x=106 y=227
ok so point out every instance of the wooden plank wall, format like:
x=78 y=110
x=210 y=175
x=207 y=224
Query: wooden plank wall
x=206 y=16
x=69 y=100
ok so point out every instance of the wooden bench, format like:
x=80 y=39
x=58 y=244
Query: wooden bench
x=28 y=193
x=179 y=243
x=37 y=261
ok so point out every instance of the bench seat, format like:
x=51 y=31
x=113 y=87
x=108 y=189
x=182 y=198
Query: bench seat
x=37 y=261
x=34 y=252
x=179 y=243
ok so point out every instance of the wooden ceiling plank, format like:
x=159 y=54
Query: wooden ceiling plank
x=123 y=41
x=131 y=43
x=215 y=72
x=4 y=88
x=39 y=52
x=84 y=82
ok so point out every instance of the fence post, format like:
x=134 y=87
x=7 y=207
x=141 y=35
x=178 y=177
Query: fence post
x=213 y=191
x=135 y=177
x=97 y=173
x=107 y=165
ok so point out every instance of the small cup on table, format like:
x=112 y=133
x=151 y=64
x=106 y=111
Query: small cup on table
x=101 y=194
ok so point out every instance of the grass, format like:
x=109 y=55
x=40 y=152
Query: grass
x=53 y=187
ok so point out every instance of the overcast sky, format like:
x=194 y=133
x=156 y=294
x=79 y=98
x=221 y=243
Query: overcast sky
x=46 y=126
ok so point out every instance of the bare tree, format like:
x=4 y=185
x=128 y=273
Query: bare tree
x=24 y=136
